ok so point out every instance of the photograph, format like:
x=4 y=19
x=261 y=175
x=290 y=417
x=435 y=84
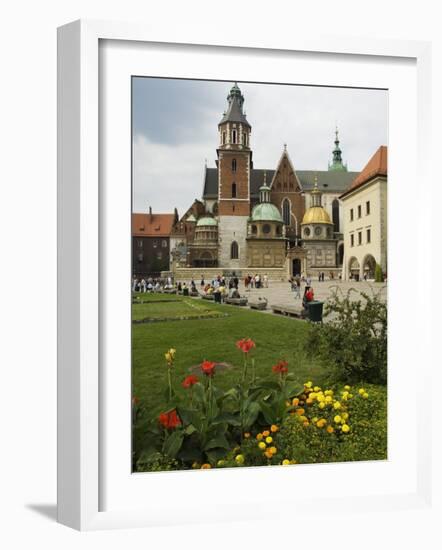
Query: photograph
x=259 y=274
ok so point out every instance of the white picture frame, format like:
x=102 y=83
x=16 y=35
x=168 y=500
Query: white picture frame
x=81 y=296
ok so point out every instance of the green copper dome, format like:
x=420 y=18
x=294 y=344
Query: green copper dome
x=266 y=212
x=206 y=221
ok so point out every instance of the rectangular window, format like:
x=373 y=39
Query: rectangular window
x=367 y=207
x=359 y=211
x=164 y=243
x=351 y=215
x=359 y=237
x=352 y=240
x=369 y=235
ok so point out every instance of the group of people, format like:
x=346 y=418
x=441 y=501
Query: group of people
x=150 y=284
x=295 y=285
x=256 y=281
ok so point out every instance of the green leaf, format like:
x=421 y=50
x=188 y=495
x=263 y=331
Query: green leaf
x=268 y=412
x=219 y=441
x=251 y=414
x=228 y=418
x=172 y=443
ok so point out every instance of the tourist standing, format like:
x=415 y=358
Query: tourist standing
x=266 y=281
x=143 y=285
x=134 y=284
x=297 y=288
x=202 y=280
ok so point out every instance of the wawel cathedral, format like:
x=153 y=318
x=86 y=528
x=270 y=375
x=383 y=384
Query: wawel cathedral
x=279 y=221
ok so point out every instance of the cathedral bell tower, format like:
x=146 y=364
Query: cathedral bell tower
x=234 y=168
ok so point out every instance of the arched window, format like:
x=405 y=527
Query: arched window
x=234 y=165
x=234 y=251
x=233 y=136
x=286 y=214
x=335 y=215
x=233 y=190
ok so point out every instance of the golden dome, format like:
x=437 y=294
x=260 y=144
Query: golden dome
x=316 y=214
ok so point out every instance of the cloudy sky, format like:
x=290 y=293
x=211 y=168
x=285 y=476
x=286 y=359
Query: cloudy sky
x=175 y=132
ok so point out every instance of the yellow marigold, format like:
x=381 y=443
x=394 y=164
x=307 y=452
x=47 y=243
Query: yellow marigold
x=322 y=405
x=273 y=450
x=347 y=388
x=266 y=433
x=330 y=429
x=361 y=391
x=309 y=401
x=239 y=459
x=350 y=395
x=320 y=397
x=315 y=419
x=269 y=439
x=247 y=435
x=308 y=384
x=205 y=466
x=316 y=389
x=268 y=454
x=344 y=415
x=259 y=436
x=337 y=405
x=321 y=423
x=328 y=399
x=221 y=462
x=328 y=392
x=286 y=462
x=365 y=395
x=274 y=428
x=295 y=402
x=303 y=419
x=306 y=423
x=300 y=411
x=337 y=419
x=313 y=395
x=262 y=445
x=345 y=428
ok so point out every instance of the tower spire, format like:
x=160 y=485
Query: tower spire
x=337 y=163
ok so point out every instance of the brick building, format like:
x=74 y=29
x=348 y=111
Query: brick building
x=151 y=242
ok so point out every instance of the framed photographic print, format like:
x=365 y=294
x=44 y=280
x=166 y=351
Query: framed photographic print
x=229 y=224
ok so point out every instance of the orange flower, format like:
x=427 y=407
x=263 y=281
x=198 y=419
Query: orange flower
x=280 y=368
x=245 y=345
x=169 y=419
x=208 y=368
x=189 y=381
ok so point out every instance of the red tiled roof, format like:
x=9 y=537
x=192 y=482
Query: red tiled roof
x=376 y=166
x=152 y=225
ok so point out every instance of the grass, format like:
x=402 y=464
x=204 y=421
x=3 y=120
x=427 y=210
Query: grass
x=212 y=339
x=155 y=309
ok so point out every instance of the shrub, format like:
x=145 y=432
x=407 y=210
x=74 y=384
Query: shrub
x=354 y=339
x=378 y=275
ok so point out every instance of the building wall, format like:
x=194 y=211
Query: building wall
x=266 y=253
x=232 y=228
x=228 y=205
x=150 y=255
x=376 y=193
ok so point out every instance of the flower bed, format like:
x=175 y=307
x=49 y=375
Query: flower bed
x=258 y=421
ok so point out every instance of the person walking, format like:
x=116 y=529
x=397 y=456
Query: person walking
x=297 y=288
x=266 y=280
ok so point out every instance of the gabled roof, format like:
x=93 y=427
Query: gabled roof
x=376 y=166
x=333 y=181
x=286 y=156
x=152 y=225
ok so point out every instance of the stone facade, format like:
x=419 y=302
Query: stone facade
x=232 y=229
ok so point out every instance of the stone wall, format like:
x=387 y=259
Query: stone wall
x=186 y=274
x=232 y=228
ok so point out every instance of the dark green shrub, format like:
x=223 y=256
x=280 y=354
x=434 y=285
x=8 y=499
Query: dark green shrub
x=353 y=340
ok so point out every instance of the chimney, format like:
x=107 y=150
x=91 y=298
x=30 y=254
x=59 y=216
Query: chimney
x=150 y=214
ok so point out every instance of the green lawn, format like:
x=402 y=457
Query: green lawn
x=212 y=339
x=155 y=309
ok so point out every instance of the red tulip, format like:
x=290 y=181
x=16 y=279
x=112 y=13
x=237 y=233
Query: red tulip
x=189 y=381
x=245 y=345
x=169 y=420
x=280 y=368
x=208 y=368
